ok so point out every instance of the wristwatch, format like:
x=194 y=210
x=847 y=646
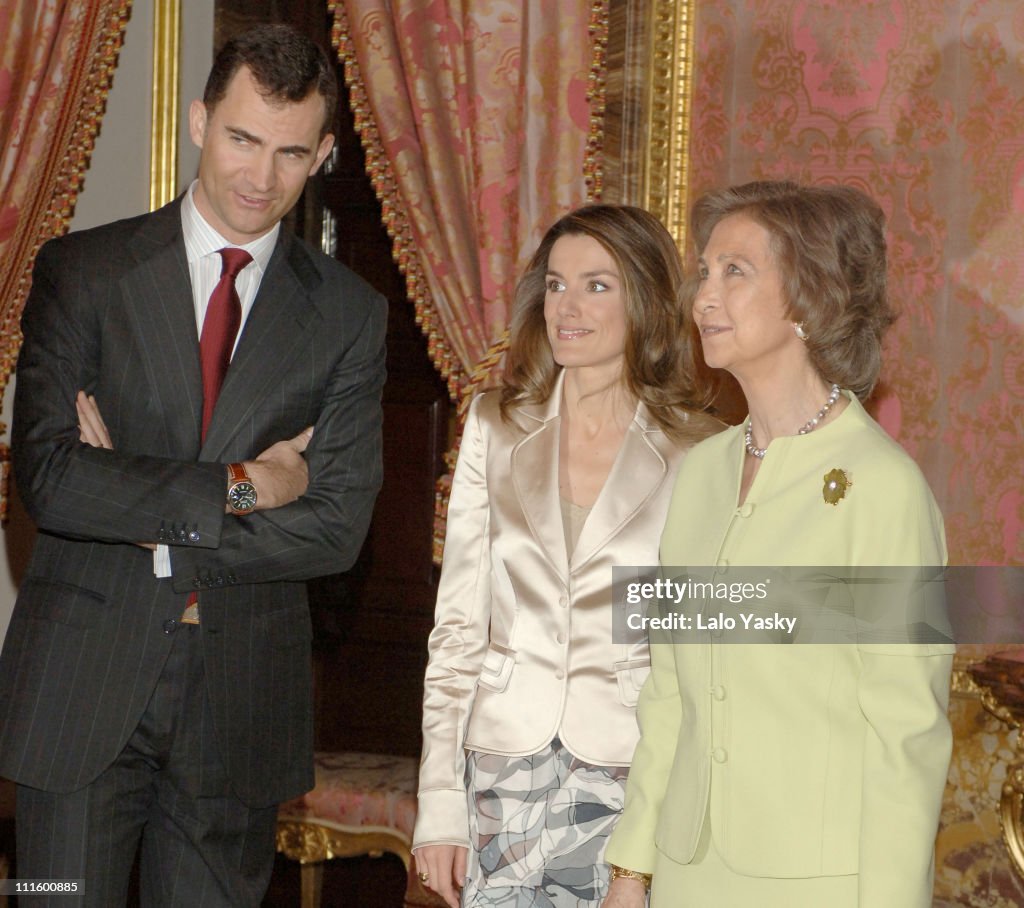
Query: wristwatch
x=241 y=491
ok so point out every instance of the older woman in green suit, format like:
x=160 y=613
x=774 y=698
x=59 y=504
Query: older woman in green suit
x=805 y=775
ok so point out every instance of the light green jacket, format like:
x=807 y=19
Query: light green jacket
x=809 y=759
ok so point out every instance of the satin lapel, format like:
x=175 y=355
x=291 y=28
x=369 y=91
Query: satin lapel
x=535 y=478
x=635 y=476
x=157 y=296
x=276 y=333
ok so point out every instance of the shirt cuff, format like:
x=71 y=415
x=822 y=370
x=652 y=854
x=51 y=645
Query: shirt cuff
x=162 y=561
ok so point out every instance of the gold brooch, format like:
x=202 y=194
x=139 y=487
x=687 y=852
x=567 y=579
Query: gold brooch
x=836 y=483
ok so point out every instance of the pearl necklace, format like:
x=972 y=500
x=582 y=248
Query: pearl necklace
x=807 y=427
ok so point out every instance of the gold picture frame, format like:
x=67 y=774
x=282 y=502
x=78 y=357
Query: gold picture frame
x=163 y=138
x=665 y=179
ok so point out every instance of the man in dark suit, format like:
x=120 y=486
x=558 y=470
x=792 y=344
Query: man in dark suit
x=130 y=713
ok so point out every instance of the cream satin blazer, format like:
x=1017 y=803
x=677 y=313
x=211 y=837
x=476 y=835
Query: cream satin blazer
x=522 y=647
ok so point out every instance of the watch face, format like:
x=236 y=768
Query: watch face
x=242 y=497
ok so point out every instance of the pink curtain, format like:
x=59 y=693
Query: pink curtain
x=56 y=63
x=918 y=102
x=475 y=120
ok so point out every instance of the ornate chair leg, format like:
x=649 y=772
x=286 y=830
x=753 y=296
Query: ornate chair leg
x=312 y=878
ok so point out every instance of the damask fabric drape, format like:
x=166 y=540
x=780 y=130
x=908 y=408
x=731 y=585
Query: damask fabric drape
x=919 y=103
x=57 y=60
x=474 y=116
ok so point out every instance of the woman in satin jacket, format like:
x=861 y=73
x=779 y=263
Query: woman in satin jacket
x=529 y=703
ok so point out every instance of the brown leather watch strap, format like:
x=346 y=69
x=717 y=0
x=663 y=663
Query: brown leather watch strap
x=236 y=473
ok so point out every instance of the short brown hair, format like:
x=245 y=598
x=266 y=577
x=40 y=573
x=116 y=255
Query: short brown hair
x=286 y=65
x=829 y=244
x=659 y=354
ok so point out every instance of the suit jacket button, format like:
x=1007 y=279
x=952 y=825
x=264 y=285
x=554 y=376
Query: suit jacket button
x=170 y=626
x=197 y=580
x=193 y=536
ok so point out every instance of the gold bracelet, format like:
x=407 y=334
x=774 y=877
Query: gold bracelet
x=618 y=871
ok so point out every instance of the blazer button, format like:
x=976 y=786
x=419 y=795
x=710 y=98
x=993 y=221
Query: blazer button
x=719 y=755
x=197 y=580
x=170 y=626
x=194 y=536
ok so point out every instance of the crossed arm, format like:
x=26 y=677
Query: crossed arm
x=280 y=473
x=79 y=335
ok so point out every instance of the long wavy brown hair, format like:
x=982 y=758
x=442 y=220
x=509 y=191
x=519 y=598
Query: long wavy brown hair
x=660 y=367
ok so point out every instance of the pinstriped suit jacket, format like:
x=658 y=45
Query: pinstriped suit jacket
x=111 y=312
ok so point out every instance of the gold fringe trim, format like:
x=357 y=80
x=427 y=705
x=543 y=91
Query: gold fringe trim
x=593 y=164
x=479 y=377
x=394 y=218
x=60 y=183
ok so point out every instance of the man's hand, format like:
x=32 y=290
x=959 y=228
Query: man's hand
x=280 y=473
x=445 y=867
x=91 y=428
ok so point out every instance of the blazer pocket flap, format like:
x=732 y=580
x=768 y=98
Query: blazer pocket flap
x=64 y=603
x=496 y=668
x=631 y=675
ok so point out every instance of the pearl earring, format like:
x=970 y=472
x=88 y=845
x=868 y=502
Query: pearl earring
x=798 y=327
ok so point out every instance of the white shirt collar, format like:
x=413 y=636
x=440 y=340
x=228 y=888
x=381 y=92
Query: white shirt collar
x=202 y=240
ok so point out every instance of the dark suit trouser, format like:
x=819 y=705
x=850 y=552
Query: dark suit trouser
x=200 y=846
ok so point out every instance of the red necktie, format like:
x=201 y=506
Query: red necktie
x=220 y=327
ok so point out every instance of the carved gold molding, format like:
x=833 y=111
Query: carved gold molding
x=666 y=168
x=311 y=842
x=163 y=137
x=999 y=681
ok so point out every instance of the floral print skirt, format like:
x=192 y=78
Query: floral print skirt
x=538 y=829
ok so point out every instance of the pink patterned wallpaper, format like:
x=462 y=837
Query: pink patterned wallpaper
x=921 y=104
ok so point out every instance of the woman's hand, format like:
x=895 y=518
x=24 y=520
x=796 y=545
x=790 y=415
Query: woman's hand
x=624 y=893
x=445 y=867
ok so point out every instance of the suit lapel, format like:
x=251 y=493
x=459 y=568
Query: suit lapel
x=635 y=476
x=157 y=295
x=277 y=332
x=535 y=476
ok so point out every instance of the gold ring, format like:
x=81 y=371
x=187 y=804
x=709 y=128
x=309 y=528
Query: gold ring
x=423 y=875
